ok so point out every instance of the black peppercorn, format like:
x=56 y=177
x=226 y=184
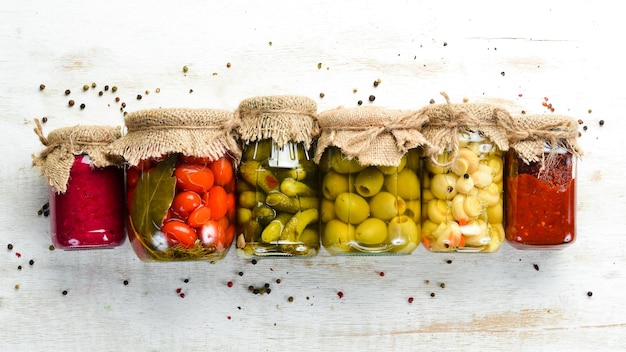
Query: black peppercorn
x=64 y=292
x=601 y=122
x=254 y=261
x=82 y=106
x=42 y=86
x=360 y=102
x=125 y=282
x=139 y=97
x=241 y=273
x=106 y=88
x=67 y=92
x=9 y=246
x=44 y=119
x=372 y=98
x=31 y=262
x=589 y=293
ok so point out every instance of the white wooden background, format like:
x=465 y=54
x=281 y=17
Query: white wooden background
x=508 y=53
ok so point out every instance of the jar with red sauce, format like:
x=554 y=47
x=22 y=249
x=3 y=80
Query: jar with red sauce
x=463 y=180
x=277 y=203
x=180 y=183
x=541 y=182
x=86 y=187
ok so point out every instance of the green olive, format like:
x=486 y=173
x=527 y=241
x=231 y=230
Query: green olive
x=403 y=232
x=327 y=209
x=385 y=206
x=371 y=231
x=413 y=210
x=344 y=165
x=351 y=208
x=369 y=182
x=337 y=236
x=390 y=170
x=405 y=184
x=334 y=184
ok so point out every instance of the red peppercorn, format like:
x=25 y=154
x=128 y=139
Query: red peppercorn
x=410 y=299
x=179 y=290
x=382 y=273
x=229 y=284
x=340 y=294
x=182 y=295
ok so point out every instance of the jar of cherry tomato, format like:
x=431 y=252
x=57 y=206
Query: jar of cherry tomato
x=278 y=206
x=180 y=183
x=462 y=194
x=86 y=187
x=541 y=182
x=369 y=158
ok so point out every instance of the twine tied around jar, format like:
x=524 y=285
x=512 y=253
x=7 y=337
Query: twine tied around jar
x=153 y=133
x=56 y=160
x=282 y=118
x=446 y=121
x=531 y=135
x=373 y=135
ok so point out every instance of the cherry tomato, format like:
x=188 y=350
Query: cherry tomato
x=198 y=160
x=199 y=217
x=211 y=233
x=185 y=202
x=179 y=233
x=222 y=171
x=217 y=201
x=195 y=178
x=132 y=176
x=229 y=236
x=231 y=211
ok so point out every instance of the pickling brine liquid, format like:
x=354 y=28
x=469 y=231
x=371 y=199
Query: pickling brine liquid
x=277 y=202
x=462 y=203
x=90 y=214
x=369 y=210
x=541 y=202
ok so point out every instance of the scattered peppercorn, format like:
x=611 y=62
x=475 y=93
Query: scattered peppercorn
x=44 y=119
x=85 y=87
x=432 y=294
x=354 y=90
x=585 y=128
x=18 y=254
x=100 y=93
x=229 y=284
x=442 y=285
x=360 y=102
x=158 y=90
x=278 y=281
x=465 y=99
x=19 y=267
x=82 y=106
x=179 y=290
x=51 y=247
x=410 y=299
x=377 y=82
x=256 y=291
x=589 y=293
x=182 y=295
x=382 y=273
x=117 y=99
x=106 y=87
x=319 y=65
x=31 y=262
x=71 y=102
x=46 y=212
x=589 y=111
x=42 y=86
x=190 y=91
x=427 y=282
x=445 y=43
x=64 y=292
x=254 y=261
x=123 y=104
x=250 y=288
x=186 y=280
x=449 y=261
x=267 y=285
x=372 y=98
x=601 y=122
x=228 y=64
x=40 y=211
x=147 y=92
x=502 y=73
x=93 y=84
x=340 y=294
x=580 y=121
x=17 y=286
x=125 y=282
x=9 y=246
x=290 y=299
x=139 y=96
x=114 y=89
x=67 y=92
x=268 y=291
x=322 y=95
x=432 y=101
x=241 y=273
x=536 y=266
x=185 y=69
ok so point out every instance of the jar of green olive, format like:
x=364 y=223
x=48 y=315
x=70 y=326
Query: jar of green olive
x=277 y=180
x=369 y=159
x=462 y=192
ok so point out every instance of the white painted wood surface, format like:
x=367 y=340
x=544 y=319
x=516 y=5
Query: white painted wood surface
x=508 y=53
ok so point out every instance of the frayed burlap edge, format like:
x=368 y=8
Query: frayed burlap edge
x=282 y=118
x=445 y=121
x=56 y=160
x=153 y=133
x=373 y=135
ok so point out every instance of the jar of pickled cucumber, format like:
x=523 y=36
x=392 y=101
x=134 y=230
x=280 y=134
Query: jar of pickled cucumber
x=180 y=183
x=462 y=192
x=541 y=182
x=277 y=184
x=369 y=159
x=86 y=187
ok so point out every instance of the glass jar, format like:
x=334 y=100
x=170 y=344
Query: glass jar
x=278 y=205
x=372 y=209
x=462 y=201
x=181 y=207
x=90 y=213
x=541 y=200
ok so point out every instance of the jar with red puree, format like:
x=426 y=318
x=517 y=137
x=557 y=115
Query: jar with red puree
x=86 y=187
x=462 y=193
x=180 y=183
x=278 y=205
x=541 y=182
x=369 y=159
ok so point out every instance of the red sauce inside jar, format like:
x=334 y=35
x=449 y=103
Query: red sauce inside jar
x=541 y=205
x=91 y=213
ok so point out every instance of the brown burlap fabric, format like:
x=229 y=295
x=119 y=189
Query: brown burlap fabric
x=62 y=144
x=445 y=121
x=153 y=133
x=373 y=135
x=282 y=118
x=528 y=135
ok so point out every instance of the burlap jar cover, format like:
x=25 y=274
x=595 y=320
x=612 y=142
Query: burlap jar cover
x=445 y=121
x=373 y=135
x=62 y=144
x=153 y=133
x=282 y=118
x=529 y=135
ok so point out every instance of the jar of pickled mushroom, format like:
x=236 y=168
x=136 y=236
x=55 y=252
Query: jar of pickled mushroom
x=462 y=192
x=541 y=182
x=86 y=187
x=277 y=185
x=180 y=182
x=369 y=159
